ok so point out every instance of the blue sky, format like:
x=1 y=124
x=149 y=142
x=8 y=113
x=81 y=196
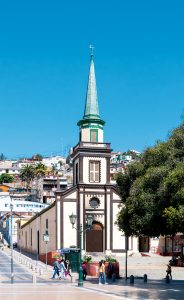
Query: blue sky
x=44 y=63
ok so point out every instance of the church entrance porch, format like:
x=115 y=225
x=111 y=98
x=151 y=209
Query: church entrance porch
x=94 y=238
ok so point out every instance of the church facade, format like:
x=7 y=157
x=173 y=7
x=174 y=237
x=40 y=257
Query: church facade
x=91 y=194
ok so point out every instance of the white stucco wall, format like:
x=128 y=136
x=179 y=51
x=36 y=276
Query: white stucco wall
x=100 y=135
x=108 y=222
x=69 y=233
x=118 y=239
x=85 y=135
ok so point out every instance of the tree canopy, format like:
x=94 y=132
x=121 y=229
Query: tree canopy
x=6 y=178
x=152 y=190
x=29 y=172
x=2 y=156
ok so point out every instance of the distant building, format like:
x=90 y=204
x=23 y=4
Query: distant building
x=20 y=209
x=50 y=184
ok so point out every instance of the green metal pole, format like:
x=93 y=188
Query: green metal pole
x=126 y=249
x=80 y=281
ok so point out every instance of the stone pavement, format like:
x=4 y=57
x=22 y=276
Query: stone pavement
x=154 y=266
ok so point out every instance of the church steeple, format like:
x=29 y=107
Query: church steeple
x=91 y=126
x=91 y=106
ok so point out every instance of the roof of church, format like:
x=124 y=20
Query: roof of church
x=91 y=111
x=91 y=106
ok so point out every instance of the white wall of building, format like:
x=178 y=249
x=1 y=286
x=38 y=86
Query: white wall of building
x=118 y=239
x=19 y=205
x=70 y=234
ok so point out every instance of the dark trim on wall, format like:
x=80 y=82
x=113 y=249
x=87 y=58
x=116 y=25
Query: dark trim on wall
x=61 y=223
x=111 y=223
x=84 y=232
x=79 y=220
x=108 y=170
x=118 y=250
x=81 y=169
x=105 y=219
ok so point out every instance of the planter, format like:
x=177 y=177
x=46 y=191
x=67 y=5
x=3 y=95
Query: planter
x=92 y=269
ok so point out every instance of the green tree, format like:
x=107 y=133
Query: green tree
x=27 y=174
x=2 y=156
x=6 y=178
x=152 y=190
x=40 y=170
x=37 y=157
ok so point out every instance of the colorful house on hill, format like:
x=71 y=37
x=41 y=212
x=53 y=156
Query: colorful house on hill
x=4 y=188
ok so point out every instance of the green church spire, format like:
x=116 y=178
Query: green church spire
x=91 y=106
x=91 y=111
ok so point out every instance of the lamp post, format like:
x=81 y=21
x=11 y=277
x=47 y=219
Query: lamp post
x=89 y=221
x=46 y=240
x=11 y=241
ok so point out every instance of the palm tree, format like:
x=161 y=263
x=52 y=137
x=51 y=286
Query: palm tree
x=40 y=172
x=27 y=174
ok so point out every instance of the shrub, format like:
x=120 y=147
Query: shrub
x=110 y=259
x=87 y=258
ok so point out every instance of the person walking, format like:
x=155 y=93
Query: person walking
x=56 y=268
x=68 y=268
x=84 y=271
x=169 y=271
x=102 y=275
x=62 y=269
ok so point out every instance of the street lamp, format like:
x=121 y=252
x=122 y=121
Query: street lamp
x=46 y=240
x=89 y=221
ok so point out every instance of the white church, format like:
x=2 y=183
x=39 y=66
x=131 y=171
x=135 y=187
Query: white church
x=92 y=195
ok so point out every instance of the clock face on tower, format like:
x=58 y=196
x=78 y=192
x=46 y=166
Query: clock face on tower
x=94 y=202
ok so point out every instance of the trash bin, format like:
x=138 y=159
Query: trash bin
x=72 y=254
x=145 y=278
x=131 y=279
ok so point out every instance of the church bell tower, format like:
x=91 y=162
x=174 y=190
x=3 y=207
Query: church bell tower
x=91 y=157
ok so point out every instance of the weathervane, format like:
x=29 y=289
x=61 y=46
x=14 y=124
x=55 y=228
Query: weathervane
x=91 y=47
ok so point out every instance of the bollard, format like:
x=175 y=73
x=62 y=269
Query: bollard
x=131 y=279
x=34 y=278
x=145 y=278
x=167 y=280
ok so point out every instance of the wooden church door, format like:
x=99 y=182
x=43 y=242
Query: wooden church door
x=94 y=238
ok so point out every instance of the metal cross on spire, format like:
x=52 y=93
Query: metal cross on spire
x=91 y=47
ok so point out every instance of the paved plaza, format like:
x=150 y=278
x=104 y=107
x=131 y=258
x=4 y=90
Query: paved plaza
x=45 y=288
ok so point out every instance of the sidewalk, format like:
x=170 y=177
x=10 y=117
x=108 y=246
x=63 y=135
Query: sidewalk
x=153 y=289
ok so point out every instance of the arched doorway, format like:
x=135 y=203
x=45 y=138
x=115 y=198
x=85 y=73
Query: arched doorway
x=94 y=238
